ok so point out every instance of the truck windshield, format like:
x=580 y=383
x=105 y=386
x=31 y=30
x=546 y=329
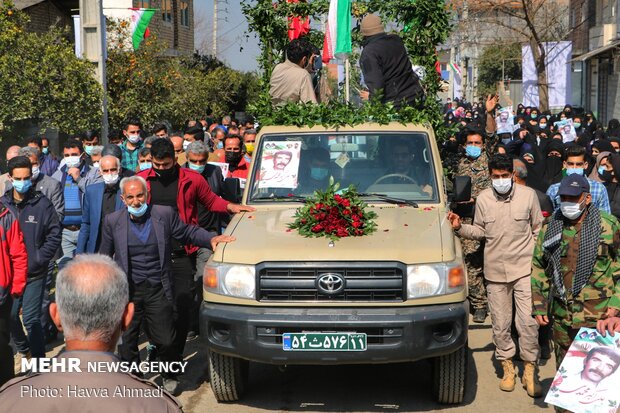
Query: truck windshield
x=292 y=167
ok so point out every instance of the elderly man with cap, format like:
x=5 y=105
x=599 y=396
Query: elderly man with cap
x=91 y=331
x=386 y=66
x=575 y=268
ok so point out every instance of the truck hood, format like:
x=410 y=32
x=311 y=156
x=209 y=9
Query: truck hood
x=405 y=234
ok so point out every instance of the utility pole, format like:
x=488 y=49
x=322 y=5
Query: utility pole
x=215 y=29
x=92 y=30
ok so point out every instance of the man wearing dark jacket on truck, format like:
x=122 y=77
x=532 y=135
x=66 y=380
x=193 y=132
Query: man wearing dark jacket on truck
x=42 y=234
x=386 y=66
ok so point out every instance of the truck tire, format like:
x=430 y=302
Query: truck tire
x=228 y=377
x=449 y=376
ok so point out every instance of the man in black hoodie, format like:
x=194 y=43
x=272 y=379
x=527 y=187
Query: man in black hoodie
x=42 y=234
x=386 y=66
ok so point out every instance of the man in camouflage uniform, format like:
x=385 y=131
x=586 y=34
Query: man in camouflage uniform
x=575 y=268
x=474 y=164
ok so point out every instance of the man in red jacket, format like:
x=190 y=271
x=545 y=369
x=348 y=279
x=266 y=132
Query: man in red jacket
x=13 y=270
x=182 y=189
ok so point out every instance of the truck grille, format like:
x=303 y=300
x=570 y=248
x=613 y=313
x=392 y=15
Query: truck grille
x=380 y=284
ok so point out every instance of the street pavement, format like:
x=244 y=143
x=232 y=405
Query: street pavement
x=362 y=388
x=365 y=388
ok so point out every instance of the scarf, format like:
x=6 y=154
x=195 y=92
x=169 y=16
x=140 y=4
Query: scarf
x=588 y=248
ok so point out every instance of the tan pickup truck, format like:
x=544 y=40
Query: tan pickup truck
x=397 y=295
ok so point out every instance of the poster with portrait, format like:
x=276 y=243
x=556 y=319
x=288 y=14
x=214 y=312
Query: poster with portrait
x=588 y=378
x=567 y=129
x=505 y=120
x=280 y=164
x=223 y=166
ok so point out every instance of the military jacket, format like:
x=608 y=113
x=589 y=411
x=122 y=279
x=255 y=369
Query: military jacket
x=602 y=291
x=478 y=171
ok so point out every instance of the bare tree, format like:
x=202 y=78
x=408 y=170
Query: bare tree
x=534 y=22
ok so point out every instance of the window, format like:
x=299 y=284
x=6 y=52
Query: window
x=166 y=11
x=144 y=4
x=184 y=13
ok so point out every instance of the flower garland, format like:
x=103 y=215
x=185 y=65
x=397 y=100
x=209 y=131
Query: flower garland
x=334 y=215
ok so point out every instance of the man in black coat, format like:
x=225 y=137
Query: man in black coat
x=39 y=222
x=386 y=66
x=139 y=238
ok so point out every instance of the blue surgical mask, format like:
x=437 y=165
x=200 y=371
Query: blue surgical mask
x=577 y=125
x=542 y=125
x=145 y=165
x=220 y=145
x=570 y=171
x=45 y=151
x=473 y=151
x=22 y=186
x=601 y=170
x=138 y=212
x=318 y=174
x=534 y=116
x=88 y=149
x=198 y=168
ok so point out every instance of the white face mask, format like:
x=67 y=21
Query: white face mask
x=134 y=138
x=110 y=179
x=95 y=164
x=35 y=172
x=185 y=145
x=571 y=210
x=502 y=185
x=72 y=161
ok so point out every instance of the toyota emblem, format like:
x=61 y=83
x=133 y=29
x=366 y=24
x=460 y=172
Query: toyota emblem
x=330 y=283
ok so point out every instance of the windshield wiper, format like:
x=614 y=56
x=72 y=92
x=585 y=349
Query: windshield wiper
x=273 y=197
x=390 y=199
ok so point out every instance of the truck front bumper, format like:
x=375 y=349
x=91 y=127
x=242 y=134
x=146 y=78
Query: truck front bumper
x=394 y=334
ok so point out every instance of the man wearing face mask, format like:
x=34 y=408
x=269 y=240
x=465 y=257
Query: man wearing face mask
x=69 y=176
x=89 y=139
x=233 y=156
x=508 y=218
x=290 y=81
x=182 y=190
x=100 y=200
x=249 y=139
x=140 y=238
x=48 y=186
x=474 y=164
x=42 y=234
x=575 y=163
x=132 y=144
x=575 y=266
x=47 y=162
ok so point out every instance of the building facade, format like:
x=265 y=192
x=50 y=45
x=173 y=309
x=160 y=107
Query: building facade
x=173 y=22
x=595 y=32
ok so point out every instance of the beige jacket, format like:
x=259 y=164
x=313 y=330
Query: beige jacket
x=509 y=227
x=290 y=83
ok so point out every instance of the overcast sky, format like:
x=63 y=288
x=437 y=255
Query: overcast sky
x=231 y=34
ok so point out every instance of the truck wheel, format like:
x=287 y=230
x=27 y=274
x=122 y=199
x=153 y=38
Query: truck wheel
x=228 y=377
x=450 y=375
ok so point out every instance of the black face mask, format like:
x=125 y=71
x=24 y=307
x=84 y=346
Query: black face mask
x=233 y=158
x=606 y=176
x=166 y=173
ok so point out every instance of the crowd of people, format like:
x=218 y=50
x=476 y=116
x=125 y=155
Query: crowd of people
x=156 y=202
x=540 y=234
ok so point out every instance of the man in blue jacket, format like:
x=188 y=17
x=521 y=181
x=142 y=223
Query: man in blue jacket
x=42 y=234
x=140 y=240
x=100 y=200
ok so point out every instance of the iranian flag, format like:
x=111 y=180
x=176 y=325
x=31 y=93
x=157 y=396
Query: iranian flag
x=337 y=41
x=140 y=19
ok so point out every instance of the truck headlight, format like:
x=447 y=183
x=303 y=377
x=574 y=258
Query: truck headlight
x=434 y=279
x=229 y=279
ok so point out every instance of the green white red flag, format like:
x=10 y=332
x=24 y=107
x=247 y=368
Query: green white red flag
x=337 y=41
x=140 y=19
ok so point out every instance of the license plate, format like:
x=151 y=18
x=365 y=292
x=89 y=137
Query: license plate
x=324 y=342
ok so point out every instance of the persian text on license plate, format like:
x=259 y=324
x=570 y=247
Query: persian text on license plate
x=324 y=341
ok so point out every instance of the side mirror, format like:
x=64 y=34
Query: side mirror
x=460 y=196
x=462 y=189
x=232 y=190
